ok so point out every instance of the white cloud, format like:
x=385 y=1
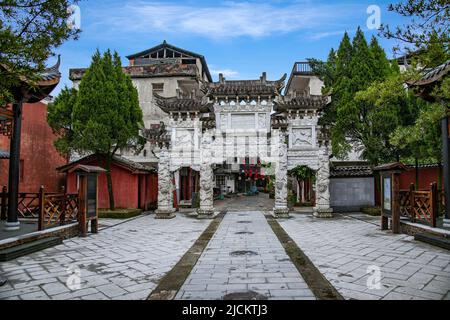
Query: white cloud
x=224 y=20
x=227 y=73
x=326 y=34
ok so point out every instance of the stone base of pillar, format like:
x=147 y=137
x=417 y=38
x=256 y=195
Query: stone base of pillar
x=205 y=213
x=446 y=223
x=11 y=226
x=281 y=213
x=165 y=214
x=323 y=212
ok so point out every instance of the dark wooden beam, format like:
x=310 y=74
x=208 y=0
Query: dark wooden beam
x=445 y=124
x=14 y=168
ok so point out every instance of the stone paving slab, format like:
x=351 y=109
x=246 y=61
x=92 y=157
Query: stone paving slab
x=123 y=261
x=244 y=255
x=344 y=247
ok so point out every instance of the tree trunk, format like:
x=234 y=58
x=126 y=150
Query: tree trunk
x=109 y=182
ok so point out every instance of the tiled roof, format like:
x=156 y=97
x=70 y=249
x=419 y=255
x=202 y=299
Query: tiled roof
x=157 y=134
x=432 y=74
x=243 y=88
x=132 y=166
x=304 y=101
x=183 y=104
x=350 y=169
x=4 y=154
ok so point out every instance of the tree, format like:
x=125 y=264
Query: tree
x=388 y=105
x=354 y=67
x=30 y=31
x=102 y=117
x=427 y=18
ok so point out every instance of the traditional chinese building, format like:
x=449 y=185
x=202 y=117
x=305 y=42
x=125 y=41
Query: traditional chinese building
x=227 y=136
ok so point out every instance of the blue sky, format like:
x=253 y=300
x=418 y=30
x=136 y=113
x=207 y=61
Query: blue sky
x=238 y=38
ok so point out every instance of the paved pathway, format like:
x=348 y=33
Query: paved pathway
x=343 y=248
x=260 y=202
x=224 y=268
x=123 y=261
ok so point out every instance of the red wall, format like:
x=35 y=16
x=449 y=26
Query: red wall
x=426 y=177
x=39 y=158
x=125 y=187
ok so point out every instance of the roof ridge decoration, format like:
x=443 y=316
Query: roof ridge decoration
x=244 y=88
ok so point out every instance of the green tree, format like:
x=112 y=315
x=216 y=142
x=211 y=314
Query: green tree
x=354 y=68
x=102 y=117
x=388 y=105
x=426 y=18
x=30 y=31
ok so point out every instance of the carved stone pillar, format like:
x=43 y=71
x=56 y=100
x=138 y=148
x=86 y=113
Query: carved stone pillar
x=206 y=209
x=322 y=208
x=281 y=209
x=165 y=187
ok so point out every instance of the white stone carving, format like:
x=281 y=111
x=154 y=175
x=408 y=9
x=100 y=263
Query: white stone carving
x=281 y=209
x=322 y=208
x=165 y=188
x=301 y=137
x=206 y=209
x=262 y=121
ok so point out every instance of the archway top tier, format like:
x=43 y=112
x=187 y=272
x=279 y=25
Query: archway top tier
x=183 y=104
x=244 y=88
x=301 y=102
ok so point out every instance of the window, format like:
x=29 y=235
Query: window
x=220 y=181
x=145 y=153
x=158 y=87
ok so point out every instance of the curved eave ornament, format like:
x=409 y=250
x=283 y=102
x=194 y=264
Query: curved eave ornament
x=183 y=104
x=32 y=91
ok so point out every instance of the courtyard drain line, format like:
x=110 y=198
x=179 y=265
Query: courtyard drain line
x=317 y=283
x=171 y=283
x=240 y=253
x=249 y=295
x=244 y=232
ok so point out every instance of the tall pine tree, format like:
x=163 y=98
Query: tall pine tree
x=102 y=117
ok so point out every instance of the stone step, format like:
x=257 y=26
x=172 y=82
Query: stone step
x=433 y=240
x=27 y=248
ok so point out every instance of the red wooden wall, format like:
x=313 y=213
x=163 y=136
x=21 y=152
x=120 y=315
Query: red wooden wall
x=426 y=177
x=125 y=187
x=39 y=158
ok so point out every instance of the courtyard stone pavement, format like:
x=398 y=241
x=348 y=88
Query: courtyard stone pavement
x=125 y=260
x=244 y=255
x=344 y=247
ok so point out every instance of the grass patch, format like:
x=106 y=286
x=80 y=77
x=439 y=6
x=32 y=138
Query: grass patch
x=371 y=211
x=119 y=213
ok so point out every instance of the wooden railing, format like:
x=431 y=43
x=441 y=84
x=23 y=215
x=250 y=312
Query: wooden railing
x=421 y=206
x=48 y=209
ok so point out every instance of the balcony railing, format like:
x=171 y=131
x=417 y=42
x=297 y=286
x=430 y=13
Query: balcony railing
x=302 y=68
